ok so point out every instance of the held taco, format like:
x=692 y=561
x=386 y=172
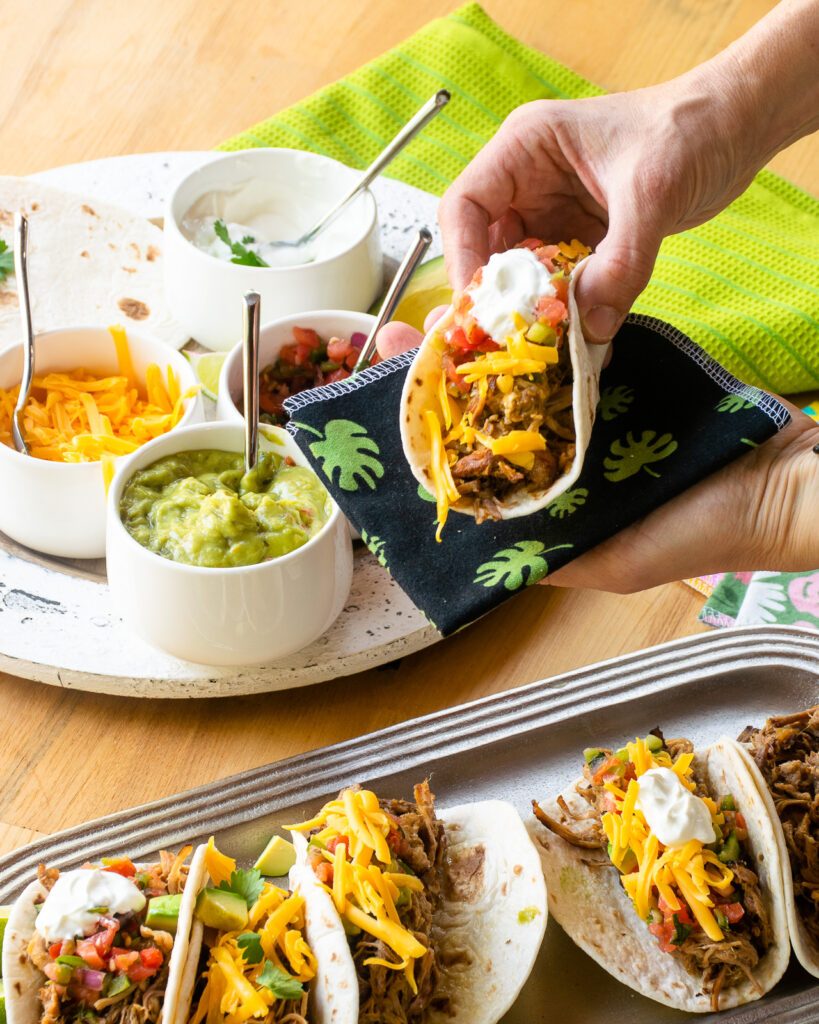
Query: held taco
x=499 y=402
x=783 y=759
x=661 y=863
x=444 y=913
x=101 y=944
x=249 y=958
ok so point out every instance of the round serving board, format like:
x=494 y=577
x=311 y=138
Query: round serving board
x=56 y=622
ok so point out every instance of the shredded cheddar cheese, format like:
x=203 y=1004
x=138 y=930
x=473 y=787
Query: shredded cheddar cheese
x=78 y=416
x=691 y=871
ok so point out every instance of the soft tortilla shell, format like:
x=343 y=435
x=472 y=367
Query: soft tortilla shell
x=495 y=877
x=588 y=900
x=23 y=981
x=90 y=264
x=421 y=393
x=804 y=947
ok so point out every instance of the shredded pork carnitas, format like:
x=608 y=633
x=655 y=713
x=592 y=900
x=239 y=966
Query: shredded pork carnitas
x=786 y=750
x=386 y=997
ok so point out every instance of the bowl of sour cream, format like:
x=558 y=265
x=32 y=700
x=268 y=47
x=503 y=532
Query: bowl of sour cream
x=222 y=222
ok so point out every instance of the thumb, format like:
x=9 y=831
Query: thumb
x=617 y=272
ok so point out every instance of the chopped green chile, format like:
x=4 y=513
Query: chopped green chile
x=201 y=508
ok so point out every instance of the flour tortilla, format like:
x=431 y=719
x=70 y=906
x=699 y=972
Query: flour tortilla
x=588 y=900
x=806 y=950
x=421 y=393
x=90 y=264
x=23 y=981
x=495 y=910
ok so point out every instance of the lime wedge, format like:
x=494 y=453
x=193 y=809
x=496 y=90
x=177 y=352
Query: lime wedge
x=207 y=368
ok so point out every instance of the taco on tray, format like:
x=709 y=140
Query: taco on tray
x=101 y=944
x=442 y=913
x=498 y=405
x=662 y=864
x=783 y=758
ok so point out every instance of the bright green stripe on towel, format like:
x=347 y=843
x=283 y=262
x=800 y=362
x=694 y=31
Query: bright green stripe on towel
x=745 y=286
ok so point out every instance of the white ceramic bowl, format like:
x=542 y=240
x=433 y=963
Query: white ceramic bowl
x=239 y=616
x=205 y=293
x=59 y=508
x=326 y=323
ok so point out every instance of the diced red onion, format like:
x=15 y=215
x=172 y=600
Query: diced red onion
x=357 y=339
x=91 y=979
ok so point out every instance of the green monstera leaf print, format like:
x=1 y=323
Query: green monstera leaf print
x=733 y=403
x=377 y=546
x=614 y=401
x=630 y=456
x=521 y=564
x=567 y=502
x=424 y=494
x=346 y=447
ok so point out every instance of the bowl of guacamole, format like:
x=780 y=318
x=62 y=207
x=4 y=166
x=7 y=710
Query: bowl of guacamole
x=219 y=566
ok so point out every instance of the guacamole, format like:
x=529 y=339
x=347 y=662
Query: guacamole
x=201 y=508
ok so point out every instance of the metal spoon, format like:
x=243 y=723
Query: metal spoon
x=416 y=123
x=393 y=296
x=21 y=273
x=250 y=368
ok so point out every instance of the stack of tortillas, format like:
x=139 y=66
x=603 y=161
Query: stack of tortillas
x=90 y=264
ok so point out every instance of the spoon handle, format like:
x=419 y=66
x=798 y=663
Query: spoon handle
x=250 y=371
x=21 y=273
x=393 y=296
x=416 y=123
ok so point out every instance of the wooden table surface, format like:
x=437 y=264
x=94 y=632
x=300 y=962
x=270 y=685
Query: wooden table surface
x=92 y=78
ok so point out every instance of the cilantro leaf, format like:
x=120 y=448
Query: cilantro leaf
x=251 y=946
x=241 y=254
x=6 y=261
x=247 y=884
x=280 y=984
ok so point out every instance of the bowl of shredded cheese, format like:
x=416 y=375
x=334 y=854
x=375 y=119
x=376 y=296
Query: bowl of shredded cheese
x=98 y=394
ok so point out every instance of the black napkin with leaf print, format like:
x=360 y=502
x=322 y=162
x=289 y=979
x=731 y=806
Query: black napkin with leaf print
x=668 y=416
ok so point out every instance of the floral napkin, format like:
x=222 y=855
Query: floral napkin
x=668 y=416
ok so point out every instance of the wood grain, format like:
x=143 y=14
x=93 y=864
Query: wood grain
x=92 y=78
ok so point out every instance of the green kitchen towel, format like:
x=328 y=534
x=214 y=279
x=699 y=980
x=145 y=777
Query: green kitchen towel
x=745 y=286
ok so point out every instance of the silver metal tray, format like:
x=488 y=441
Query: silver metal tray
x=517 y=745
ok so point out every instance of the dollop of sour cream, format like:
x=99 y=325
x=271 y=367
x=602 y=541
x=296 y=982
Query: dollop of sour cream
x=673 y=813
x=512 y=282
x=72 y=906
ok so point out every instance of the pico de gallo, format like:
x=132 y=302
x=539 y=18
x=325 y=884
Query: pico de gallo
x=382 y=861
x=109 y=961
x=307 y=362
x=505 y=423
x=696 y=891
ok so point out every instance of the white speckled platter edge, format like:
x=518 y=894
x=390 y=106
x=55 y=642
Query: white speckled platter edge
x=56 y=622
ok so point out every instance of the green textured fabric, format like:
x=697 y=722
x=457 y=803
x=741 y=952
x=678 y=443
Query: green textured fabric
x=745 y=286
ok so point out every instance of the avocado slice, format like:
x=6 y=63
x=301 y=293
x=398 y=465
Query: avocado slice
x=220 y=909
x=163 y=913
x=278 y=857
x=428 y=287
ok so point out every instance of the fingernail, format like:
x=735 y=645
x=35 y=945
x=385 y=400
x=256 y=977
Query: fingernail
x=601 y=323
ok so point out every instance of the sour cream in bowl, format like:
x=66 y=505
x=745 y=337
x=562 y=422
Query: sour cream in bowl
x=223 y=219
x=218 y=568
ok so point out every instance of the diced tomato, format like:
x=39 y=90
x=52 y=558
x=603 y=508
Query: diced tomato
x=452 y=374
x=351 y=360
x=550 y=310
x=287 y=354
x=140 y=973
x=664 y=933
x=531 y=243
x=733 y=911
x=741 y=822
x=151 y=957
x=121 y=866
x=456 y=338
x=561 y=287
x=54 y=950
x=87 y=949
x=338 y=349
x=123 y=961
x=306 y=336
x=302 y=357
x=683 y=914
x=104 y=940
x=87 y=996
x=394 y=840
x=331 y=844
x=324 y=872
x=612 y=768
x=340 y=374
